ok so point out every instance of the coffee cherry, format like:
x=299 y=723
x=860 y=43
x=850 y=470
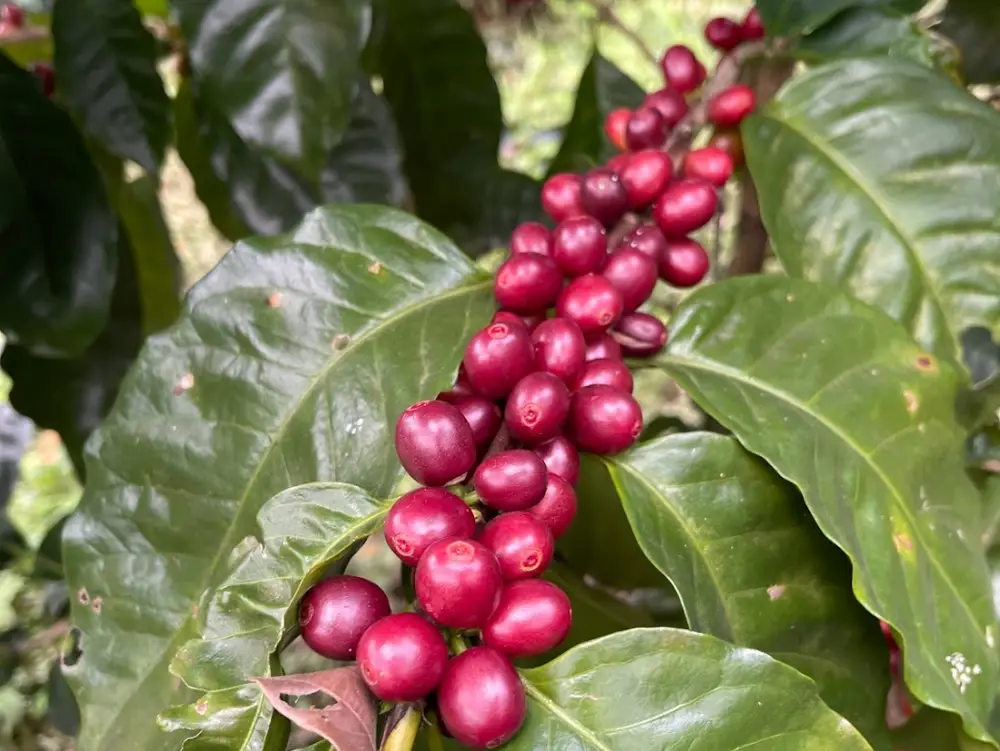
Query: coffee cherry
x=402 y=657
x=684 y=264
x=618 y=162
x=604 y=420
x=497 y=357
x=645 y=177
x=710 y=164
x=752 y=28
x=434 y=442
x=11 y=16
x=557 y=508
x=511 y=480
x=422 y=517
x=561 y=459
x=644 y=335
x=603 y=196
x=647 y=239
x=537 y=407
x=511 y=319
x=532 y=617
x=633 y=274
x=481 y=699
x=592 y=302
x=561 y=196
x=579 y=245
x=458 y=582
x=669 y=103
x=337 y=611
x=684 y=207
x=522 y=544
x=528 y=283
x=614 y=127
x=646 y=129
x=724 y=34
x=483 y=416
x=681 y=69
x=606 y=372
x=602 y=347
x=559 y=348
x=728 y=109
x=730 y=142
x=46 y=78
x=531 y=237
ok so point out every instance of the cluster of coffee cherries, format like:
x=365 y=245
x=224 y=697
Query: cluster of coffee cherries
x=11 y=20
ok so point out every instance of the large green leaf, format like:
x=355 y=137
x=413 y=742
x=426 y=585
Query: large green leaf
x=900 y=222
x=303 y=534
x=289 y=365
x=105 y=61
x=866 y=32
x=974 y=26
x=791 y=17
x=837 y=397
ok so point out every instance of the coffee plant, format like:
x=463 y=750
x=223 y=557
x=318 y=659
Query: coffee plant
x=690 y=444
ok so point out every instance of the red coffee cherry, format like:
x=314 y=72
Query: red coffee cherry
x=337 y=611
x=434 y=442
x=730 y=142
x=512 y=480
x=522 y=544
x=422 y=517
x=614 y=127
x=592 y=302
x=684 y=264
x=579 y=245
x=644 y=335
x=604 y=420
x=531 y=237
x=11 y=16
x=562 y=460
x=46 y=78
x=711 y=164
x=681 y=69
x=402 y=657
x=497 y=357
x=648 y=239
x=617 y=163
x=645 y=177
x=559 y=348
x=728 y=109
x=752 y=28
x=532 y=617
x=561 y=196
x=724 y=34
x=537 y=407
x=528 y=283
x=458 y=582
x=685 y=206
x=557 y=509
x=646 y=129
x=481 y=699
x=602 y=347
x=669 y=103
x=483 y=416
x=633 y=274
x=606 y=372
x=603 y=196
x=511 y=319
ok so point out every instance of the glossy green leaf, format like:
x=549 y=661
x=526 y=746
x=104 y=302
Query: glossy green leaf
x=837 y=397
x=866 y=32
x=62 y=711
x=899 y=222
x=974 y=25
x=506 y=199
x=105 y=62
x=289 y=365
x=792 y=17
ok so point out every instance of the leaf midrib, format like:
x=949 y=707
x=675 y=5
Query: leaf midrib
x=564 y=717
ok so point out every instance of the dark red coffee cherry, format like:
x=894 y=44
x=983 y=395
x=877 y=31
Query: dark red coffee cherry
x=579 y=245
x=46 y=78
x=532 y=617
x=685 y=206
x=592 y=302
x=497 y=357
x=647 y=239
x=604 y=420
x=537 y=407
x=528 y=283
x=458 y=582
x=730 y=142
x=614 y=127
x=607 y=372
x=481 y=699
x=528 y=321
x=602 y=347
x=484 y=418
x=633 y=274
x=728 y=109
x=561 y=196
x=337 y=611
x=603 y=196
x=681 y=69
x=557 y=509
x=643 y=335
x=684 y=264
x=711 y=164
x=522 y=544
x=669 y=103
x=512 y=480
x=561 y=459
x=531 y=237
x=434 y=442
x=646 y=129
x=11 y=16
x=752 y=28
x=645 y=177
x=618 y=162
x=422 y=517
x=559 y=348
x=724 y=34
x=402 y=657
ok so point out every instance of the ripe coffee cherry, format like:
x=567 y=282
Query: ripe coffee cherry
x=648 y=239
x=579 y=245
x=562 y=460
x=497 y=357
x=728 y=109
x=633 y=274
x=402 y=657
x=617 y=163
x=532 y=617
x=511 y=480
x=422 y=517
x=11 y=16
x=684 y=264
x=528 y=283
x=603 y=196
x=537 y=407
x=505 y=316
x=602 y=347
x=458 y=582
x=531 y=237
x=724 y=34
x=559 y=348
x=645 y=176
x=646 y=129
x=337 y=611
x=483 y=417
x=669 y=103
x=644 y=335
x=684 y=207
x=607 y=372
x=522 y=544
x=561 y=196
x=592 y=302
x=614 y=127
x=681 y=69
x=604 y=420
x=710 y=164
x=730 y=142
x=481 y=699
x=752 y=28
x=557 y=508
x=435 y=443
x=46 y=78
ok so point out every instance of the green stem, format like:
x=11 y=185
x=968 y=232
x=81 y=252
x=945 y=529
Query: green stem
x=434 y=740
x=401 y=735
x=458 y=644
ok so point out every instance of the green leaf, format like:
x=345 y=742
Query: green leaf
x=105 y=62
x=62 y=711
x=675 y=690
x=282 y=74
x=792 y=17
x=897 y=222
x=977 y=405
x=973 y=25
x=506 y=199
x=839 y=400
x=290 y=364
x=303 y=534
x=15 y=435
x=866 y=32
x=931 y=730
